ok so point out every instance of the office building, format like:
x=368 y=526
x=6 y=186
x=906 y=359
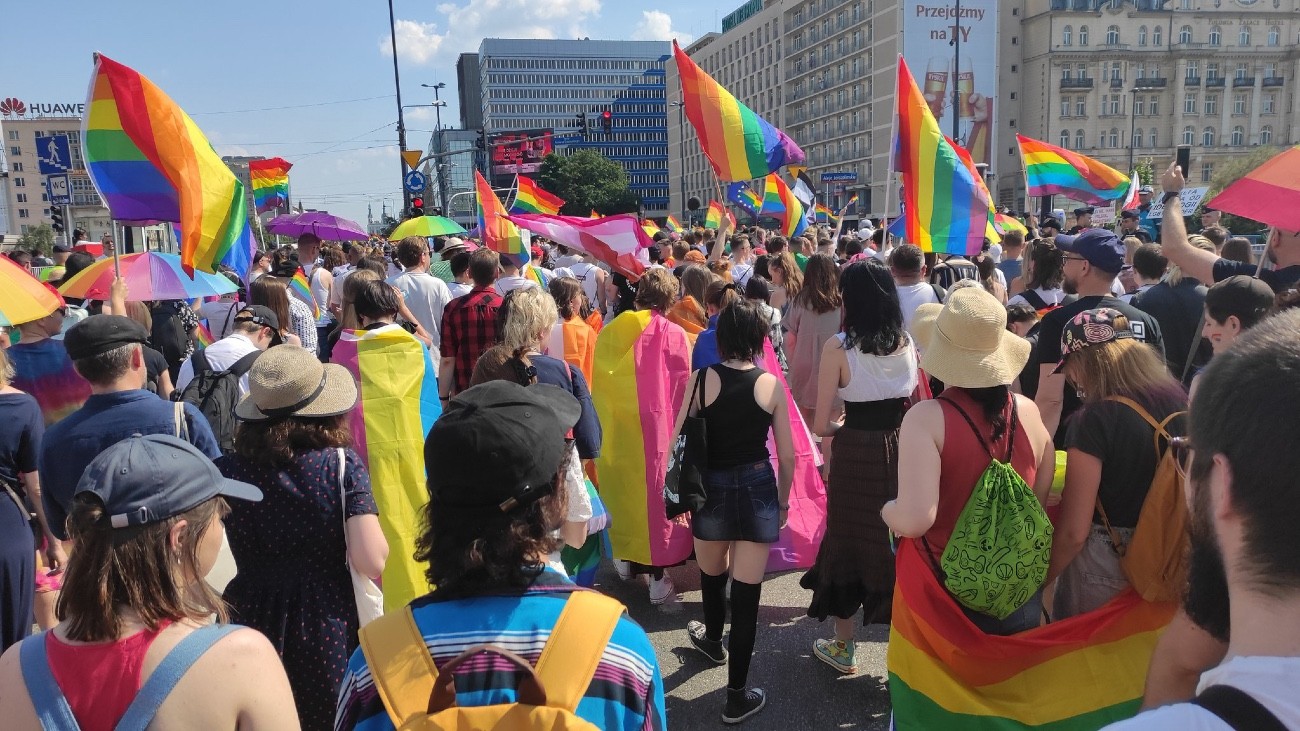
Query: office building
x=538 y=85
x=469 y=87
x=27 y=200
x=454 y=173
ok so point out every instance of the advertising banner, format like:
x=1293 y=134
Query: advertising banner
x=520 y=151
x=952 y=50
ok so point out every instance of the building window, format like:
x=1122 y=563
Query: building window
x=1239 y=104
x=1238 y=136
x=1212 y=70
x=1211 y=103
x=1065 y=107
x=1078 y=140
x=21 y=197
x=1081 y=106
x=1274 y=35
x=1216 y=35
x=1112 y=35
x=22 y=213
x=1065 y=138
x=1185 y=34
x=1243 y=36
x=19 y=183
x=1189 y=135
x=16 y=167
x=1266 y=135
x=1066 y=73
x=1155 y=106
x=1207 y=172
x=1114 y=137
x=1207 y=137
x=1154 y=137
x=1157 y=36
x=1193 y=70
x=1113 y=106
x=1136 y=141
x=16 y=150
x=1184 y=4
x=1189 y=104
x=1142 y=36
x=1269 y=101
x=1241 y=71
x=13 y=135
x=1083 y=35
x=1067 y=35
x=1139 y=106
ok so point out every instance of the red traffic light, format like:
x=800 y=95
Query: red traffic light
x=417 y=202
x=606 y=114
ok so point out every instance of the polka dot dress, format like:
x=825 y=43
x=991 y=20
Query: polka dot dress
x=292 y=582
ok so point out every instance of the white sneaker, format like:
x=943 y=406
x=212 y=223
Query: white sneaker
x=623 y=569
x=662 y=590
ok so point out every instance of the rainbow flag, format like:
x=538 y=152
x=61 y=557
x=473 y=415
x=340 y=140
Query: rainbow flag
x=991 y=231
x=202 y=335
x=150 y=162
x=650 y=227
x=738 y=143
x=1007 y=224
x=716 y=214
x=1080 y=673
x=399 y=403
x=824 y=214
x=641 y=368
x=946 y=206
x=673 y=225
x=780 y=201
x=530 y=198
x=300 y=287
x=44 y=370
x=270 y=181
x=594 y=215
x=499 y=234
x=1052 y=170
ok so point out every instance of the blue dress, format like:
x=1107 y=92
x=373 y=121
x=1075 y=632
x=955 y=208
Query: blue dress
x=293 y=583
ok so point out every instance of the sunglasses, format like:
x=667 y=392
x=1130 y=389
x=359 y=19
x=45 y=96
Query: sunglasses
x=1182 y=448
x=1074 y=258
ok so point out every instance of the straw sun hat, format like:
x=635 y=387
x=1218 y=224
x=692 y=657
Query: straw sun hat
x=288 y=380
x=965 y=343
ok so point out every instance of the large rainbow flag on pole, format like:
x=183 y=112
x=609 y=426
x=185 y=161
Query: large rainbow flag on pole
x=530 y=198
x=150 y=162
x=399 y=403
x=1077 y=674
x=739 y=144
x=270 y=181
x=947 y=208
x=1052 y=170
x=499 y=234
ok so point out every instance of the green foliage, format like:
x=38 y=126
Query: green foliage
x=587 y=181
x=39 y=238
x=1146 y=170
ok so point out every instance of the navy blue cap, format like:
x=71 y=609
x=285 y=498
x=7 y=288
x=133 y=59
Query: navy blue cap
x=146 y=479
x=1100 y=247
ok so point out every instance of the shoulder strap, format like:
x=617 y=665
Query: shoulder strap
x=1034 y=299
x=978 y=437
x=199 y=362
x=400 y=664
x=169 y=672
x=939 y=292
x=1161 y=427
x=1238 y=709
x=244 y=365
x=569 y=660
x=52 y=708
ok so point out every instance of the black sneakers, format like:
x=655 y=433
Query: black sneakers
x=711 y=649
x=742 y=704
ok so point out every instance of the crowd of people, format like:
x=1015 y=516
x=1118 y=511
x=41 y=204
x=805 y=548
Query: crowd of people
x=1054 y=370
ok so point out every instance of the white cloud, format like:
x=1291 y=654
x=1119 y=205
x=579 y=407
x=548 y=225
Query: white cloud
x=416 y=42
x=468 y=23
x=656 y=25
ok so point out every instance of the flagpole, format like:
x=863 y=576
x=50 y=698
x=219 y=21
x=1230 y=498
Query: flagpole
x=889 y=169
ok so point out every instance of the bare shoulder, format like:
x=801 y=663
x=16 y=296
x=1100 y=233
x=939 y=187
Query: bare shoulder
x=768 y=392
x=1027 y=407
x=925 y=412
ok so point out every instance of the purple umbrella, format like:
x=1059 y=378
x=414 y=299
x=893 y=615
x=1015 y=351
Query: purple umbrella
x=330 y=228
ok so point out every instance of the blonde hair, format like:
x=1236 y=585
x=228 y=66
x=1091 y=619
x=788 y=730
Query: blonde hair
x=139 y=312
x=1127 y=367
x=6 y=367
x=1131 y=245
x=529 y=317
x=656 y=290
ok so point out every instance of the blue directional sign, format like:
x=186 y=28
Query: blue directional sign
x=54 y=154
x=415 y=181
x=58 y=190
x=566 y=139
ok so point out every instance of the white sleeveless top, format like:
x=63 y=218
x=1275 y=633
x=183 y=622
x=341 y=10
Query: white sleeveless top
x=879 y=377
x=320 y=293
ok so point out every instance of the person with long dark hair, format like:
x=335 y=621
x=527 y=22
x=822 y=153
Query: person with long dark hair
x=814 y=317
x=872 y=366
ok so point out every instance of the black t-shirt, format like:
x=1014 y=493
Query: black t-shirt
x=1029 y=376
x=154 y=364
x=1278 y=279
x=1178 y=310
x=1125 y=443
x=1144 y=326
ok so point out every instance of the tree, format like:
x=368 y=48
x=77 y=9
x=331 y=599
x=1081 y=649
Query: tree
x=1229 y=172
x=587 y=181
x=39 y=238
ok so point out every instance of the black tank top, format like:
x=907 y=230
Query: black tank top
x=737 y=425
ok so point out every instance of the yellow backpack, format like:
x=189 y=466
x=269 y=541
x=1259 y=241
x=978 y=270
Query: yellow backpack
x=420 y=697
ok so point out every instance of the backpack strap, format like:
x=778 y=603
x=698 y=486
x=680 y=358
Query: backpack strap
x=400 y=663
x=1161 y=428
x=1238 y=709
x=1011 y=427
x=576 y=646
x=52 y=709
x=244 y=365
x=181 y=423
x=169 y=672
x=1034 y=299
x=939 y=292
x=199 y=362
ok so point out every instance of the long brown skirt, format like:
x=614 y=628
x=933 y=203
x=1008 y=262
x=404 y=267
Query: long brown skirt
x=855 y=567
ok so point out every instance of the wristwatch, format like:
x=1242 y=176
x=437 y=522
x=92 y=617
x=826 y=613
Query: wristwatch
x=1171 y=195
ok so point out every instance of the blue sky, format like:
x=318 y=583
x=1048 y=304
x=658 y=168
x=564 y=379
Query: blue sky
x=235 y=66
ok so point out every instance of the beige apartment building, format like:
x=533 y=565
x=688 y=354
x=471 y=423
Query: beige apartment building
x=28 y=204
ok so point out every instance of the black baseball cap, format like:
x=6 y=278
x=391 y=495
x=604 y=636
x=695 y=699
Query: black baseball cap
x=1129 y=215
x=101 y=333
x=1084 y=209
x=146 y=479
x=1050 y=221
x=62 y=249
x=499 y=445
x=1102 y=248
x=261 y=315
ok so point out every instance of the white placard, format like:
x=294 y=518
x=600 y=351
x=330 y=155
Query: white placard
x=1190 y=198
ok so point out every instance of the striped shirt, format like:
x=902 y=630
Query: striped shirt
x=626 y=692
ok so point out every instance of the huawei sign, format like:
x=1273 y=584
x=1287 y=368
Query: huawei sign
x=12 y=107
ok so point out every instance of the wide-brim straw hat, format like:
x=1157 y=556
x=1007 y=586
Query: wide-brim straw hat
x=965 y=343
x=288 y=380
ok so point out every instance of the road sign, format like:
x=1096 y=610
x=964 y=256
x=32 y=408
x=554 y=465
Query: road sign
x=1190 y=198
x=566 y=139
x=58 y=189
x=412 y=158
x=54 y=154
x=415 y=181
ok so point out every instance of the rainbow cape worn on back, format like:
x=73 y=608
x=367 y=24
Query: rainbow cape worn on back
x=946 y=207
x=270 y=181
x=738 y=143
x=150 y=163
x=399 y=403
x=1052 y=170
x=530 y=198
x=1081 y=673
x=300 y=287
x=642 y=364
x=499 y=234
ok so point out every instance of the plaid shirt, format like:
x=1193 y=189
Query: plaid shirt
x=469 y=328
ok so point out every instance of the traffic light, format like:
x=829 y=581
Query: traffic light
x=582 y=124
x=417 y=207
x=56 y=218
x=481 y=142
x=607 y=121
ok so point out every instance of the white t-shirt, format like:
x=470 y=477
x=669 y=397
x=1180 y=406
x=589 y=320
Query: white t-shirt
x=319 y=292
x=458 y=289
x=740 y=274
x=221 y=356
x=912 y=296
x=512 y=282
x=1270 y=680
x=588 y=277
x=220 y=316
x=425 y=297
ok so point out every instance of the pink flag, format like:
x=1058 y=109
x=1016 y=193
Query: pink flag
x=615 y=240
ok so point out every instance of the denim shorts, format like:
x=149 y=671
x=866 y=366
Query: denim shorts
x=740 y=504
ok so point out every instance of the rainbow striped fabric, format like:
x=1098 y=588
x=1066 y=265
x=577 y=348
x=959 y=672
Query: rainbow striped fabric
x=270 y=181
x=947 y=209
x=203 y=335
x=673 y=225
x=745 y=197
x=852 y=200
x=300 y=287
x=1007 y=224
x=716 y=214
x=780 y=201
x=824 y=214
x=1077 y=674
x=150 y=162
x=499 y=234
x=530 y=198
x=738 y=143
x=1052 y=170
x=650 y=227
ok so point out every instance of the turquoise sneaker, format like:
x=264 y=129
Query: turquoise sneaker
x=838 y=655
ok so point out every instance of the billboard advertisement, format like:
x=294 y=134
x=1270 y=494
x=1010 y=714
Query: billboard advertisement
x=952 y=50
x=520 y=151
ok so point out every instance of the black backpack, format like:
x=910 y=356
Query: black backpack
x=216 y=393
x=169 y=336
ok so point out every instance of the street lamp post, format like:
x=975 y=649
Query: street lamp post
x=401 y=123
x=438 y=104
x=681 y=151
x=1132 y=124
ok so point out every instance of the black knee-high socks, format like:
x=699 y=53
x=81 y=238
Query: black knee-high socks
x=744 y=626
x=714 y=589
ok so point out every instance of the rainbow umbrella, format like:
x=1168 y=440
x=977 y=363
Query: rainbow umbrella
x=149 y=276
x=426 y=226
x=23 y=298
x=1269 y=194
